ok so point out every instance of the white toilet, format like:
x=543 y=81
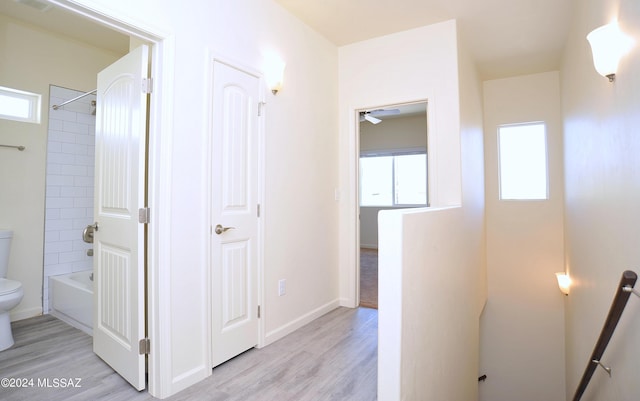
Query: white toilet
x=10 y=291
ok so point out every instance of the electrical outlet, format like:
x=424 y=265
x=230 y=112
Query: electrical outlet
x=282 y=287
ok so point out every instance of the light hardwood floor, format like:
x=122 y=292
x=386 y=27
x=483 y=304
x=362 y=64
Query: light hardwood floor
x=331 y=358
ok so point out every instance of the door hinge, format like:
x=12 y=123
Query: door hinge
x=258 y=311
x=144 y=346
x=147 y=85
x=258 y=210
x=260 y=106
x=143 y=215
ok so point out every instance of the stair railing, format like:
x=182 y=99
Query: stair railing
x=623 y=292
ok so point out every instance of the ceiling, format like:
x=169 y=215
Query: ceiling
x=65 y=23
x=397 y=111
x=506 y=37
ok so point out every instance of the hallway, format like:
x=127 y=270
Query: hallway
x=332 y=358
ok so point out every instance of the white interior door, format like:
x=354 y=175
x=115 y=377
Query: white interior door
x=119 y=298
x=234 y=225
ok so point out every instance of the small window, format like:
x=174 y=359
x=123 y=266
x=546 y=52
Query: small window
x=523 y=162
x=19 y=105
x=393 y=180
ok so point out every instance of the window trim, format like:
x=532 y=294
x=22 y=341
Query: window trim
x=35 y=105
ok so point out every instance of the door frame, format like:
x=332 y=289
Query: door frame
x=213 y=57
x=352 y=298
x=158 y=182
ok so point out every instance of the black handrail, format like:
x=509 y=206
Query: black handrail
x=617 y=307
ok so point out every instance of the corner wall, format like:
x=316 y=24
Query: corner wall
x=431 y=262
x=522 y=326
x=602 y=192
x=419 y=65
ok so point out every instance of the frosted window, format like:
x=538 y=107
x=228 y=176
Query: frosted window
x=523 y=162
x=19 y=105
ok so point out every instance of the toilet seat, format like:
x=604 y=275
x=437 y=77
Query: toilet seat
x=9 y=286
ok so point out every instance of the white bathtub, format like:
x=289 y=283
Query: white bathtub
x=71 y=299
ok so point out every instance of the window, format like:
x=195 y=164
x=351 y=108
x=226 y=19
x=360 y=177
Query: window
x=393 y=180
x=523 y=162
x=19 y=105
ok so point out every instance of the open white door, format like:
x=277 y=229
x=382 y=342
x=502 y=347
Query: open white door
x=234 y=211
x=121 y=136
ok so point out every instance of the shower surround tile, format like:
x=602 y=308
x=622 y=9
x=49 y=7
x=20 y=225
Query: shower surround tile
x=69 y=192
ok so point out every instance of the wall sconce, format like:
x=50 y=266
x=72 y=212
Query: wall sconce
x=274 y=72
x=564 y=282
x=608 y=45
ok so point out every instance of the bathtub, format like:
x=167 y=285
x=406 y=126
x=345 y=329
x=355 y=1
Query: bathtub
x=71 y=299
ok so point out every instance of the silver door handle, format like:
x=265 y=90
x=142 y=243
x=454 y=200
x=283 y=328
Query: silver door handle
x=87 y=233
x=219 y=229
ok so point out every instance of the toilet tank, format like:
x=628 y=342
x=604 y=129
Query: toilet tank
x=5 y=247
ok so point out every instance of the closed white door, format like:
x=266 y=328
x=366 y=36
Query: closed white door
x=119 y=298
x=234 y=211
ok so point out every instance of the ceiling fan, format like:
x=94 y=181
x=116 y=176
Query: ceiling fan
x=372 y=114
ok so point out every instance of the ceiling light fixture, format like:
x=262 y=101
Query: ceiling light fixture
x=608 y=45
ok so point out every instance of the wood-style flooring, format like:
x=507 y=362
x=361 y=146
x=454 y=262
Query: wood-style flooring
x=332 y=358
x=369 y=278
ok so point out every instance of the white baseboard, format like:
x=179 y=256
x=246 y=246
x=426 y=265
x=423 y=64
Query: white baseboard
x=290 y=327
x=348 y=303
x=26 y=313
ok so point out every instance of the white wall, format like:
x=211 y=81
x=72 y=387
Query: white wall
x=522 y=326
x=31 y=60
x=602 y=194
x=431 y=261
x=301 y=223
x=301 y=166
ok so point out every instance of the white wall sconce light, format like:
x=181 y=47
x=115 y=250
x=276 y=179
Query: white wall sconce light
x=564 y=282
x=608 y=45
x=274 y=71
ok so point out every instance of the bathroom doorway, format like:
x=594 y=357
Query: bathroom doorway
x=42 y=55
x=64 y=78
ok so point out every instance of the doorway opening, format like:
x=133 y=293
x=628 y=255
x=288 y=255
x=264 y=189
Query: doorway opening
x=159 y=122
x=392 y=174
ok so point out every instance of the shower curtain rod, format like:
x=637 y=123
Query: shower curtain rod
x=20 y=148
x=57 y=106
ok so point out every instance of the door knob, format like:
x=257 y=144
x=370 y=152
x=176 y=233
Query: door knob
x=219 y=229
x=87 y=233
